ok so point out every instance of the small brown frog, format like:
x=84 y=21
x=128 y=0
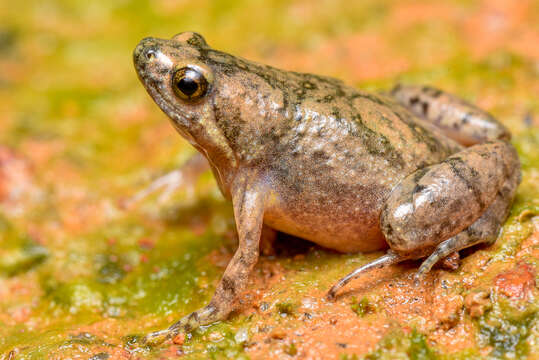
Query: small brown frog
x=418 y=170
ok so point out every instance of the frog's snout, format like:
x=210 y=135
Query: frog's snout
x=144 y=52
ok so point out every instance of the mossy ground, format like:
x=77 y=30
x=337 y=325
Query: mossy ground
x=81 y=277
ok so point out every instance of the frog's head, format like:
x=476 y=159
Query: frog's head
x=181 y=84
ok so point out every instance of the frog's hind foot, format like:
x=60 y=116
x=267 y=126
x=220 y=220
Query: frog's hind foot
x=390 y=258
x=443 y=250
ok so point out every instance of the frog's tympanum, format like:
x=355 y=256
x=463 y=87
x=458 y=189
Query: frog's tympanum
x=418 y=171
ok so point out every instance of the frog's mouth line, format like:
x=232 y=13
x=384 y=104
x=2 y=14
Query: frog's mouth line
x=179 y=121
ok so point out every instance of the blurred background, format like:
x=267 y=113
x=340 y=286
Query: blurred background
x=78 y=133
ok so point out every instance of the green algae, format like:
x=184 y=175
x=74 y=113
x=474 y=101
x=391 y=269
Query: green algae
x=19 y=252
x=286 y=308
x=398 y=345
x=362 y=307
x=419 y=350
x=23 y=258
x=218 y=341
x=527 y=144
x=161 y=285
x=291 y=349
x=507 y=328
x=413 y=345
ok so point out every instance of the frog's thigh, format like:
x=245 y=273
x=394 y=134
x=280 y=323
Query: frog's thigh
x=428 y=211
x=438 y=202
x=458 y=119
x=483 y=230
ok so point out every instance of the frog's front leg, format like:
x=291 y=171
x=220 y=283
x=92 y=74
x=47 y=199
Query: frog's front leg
x=248 y=200
x=447 y=207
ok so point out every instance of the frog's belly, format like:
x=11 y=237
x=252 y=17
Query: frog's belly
x=343 y=223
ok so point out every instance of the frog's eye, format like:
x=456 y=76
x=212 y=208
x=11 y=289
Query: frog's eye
x=189 y=84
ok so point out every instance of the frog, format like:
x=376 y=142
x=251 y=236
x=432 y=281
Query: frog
x=415 y=171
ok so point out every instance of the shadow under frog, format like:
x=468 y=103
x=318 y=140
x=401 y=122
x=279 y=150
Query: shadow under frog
x=417 y=170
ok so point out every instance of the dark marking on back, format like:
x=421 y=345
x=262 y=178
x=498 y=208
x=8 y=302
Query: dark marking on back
x=418 y=188
x=420 y=134
x=420 y=173
x=435 y=93
x=308 y=85
x=370 y=97
x=425 y=108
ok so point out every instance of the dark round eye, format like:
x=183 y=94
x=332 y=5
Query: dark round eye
x=189 y=84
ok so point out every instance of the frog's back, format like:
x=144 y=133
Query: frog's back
x=344 y=152
x=343 y=127
x=284 y=112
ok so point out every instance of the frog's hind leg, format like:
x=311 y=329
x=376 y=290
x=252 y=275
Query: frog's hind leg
x=458 y=119
x=452 y=205
x=390 y=258
x=483 y=230
x=447 y=207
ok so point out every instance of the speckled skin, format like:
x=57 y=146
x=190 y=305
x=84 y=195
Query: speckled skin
x=351 y=171
x=459 y=120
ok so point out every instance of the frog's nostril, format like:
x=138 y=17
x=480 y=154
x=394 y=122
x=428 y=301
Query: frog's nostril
x=146 y=49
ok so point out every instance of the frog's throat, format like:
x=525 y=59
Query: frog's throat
x=182 y=125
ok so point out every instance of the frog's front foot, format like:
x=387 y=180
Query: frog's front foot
x=157 y=337
x=204 y=316
x=167 y=183
x=184 y=177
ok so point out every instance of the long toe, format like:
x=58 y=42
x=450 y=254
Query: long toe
x=157 y=337
x=388 y=259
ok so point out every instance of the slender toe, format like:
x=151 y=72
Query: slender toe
x=388 y=259
x=157 y=337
